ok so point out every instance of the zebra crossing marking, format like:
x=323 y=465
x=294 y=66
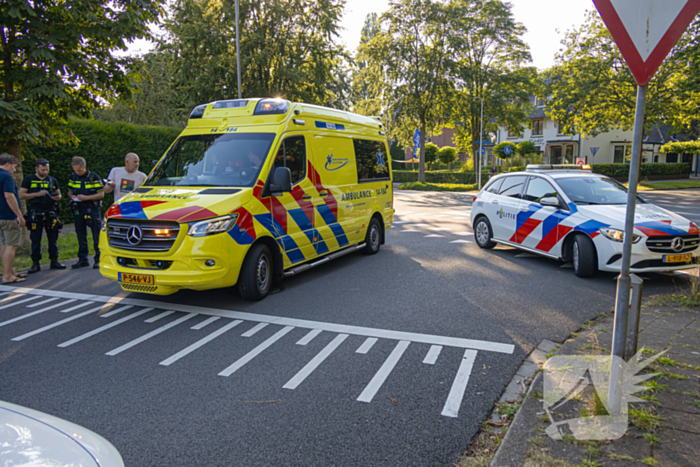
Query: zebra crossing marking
x=189 y=349
x=459 y=385
x=315 y=362
x=378 y=380
x=238 y=364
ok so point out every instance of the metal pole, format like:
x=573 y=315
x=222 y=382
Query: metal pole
x=622 y=301
x=238 y=55
x=481 y=141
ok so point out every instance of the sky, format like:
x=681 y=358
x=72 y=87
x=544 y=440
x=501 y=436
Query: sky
x=545 y=20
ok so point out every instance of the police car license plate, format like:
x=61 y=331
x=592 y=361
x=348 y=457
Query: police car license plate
x=677 y=258
x=143 y=279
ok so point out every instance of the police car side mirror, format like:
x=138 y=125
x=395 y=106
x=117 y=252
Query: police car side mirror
x=281 y=181
x=550 y=201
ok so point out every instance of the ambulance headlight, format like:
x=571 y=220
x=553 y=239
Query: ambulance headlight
x=618 y=235
x=271 y=107
x=212 y=226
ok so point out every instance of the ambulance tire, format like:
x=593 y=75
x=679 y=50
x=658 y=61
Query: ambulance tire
x=584 y=256
x=373 y=239
x=257 y=273
x=483 y=233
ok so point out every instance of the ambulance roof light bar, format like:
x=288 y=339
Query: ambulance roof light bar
x=541 y=167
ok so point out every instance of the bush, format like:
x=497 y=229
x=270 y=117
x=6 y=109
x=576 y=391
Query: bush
x=623 y=170
x=461 y=178
x=103 y=145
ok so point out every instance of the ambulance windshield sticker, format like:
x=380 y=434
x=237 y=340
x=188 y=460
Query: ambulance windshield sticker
x=380 y=160
x=334 y=163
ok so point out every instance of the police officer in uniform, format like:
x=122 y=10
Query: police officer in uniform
x=41 y=192
x=86 y=192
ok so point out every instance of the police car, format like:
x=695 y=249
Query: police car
x=566 y=212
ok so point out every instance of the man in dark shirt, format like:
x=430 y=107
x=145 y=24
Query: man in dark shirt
x=86 y=191
x=11 y=220
x=41 y=192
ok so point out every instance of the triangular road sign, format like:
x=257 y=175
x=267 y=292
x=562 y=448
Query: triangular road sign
x=646 y=30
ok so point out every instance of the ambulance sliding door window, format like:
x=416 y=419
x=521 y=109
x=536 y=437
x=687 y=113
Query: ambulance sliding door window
x=292 y=154
x=371 y=159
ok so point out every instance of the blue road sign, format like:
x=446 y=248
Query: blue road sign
x=507 y=151
x=594 y=151
x=483 y=151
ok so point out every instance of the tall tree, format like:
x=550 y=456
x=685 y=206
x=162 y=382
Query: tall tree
x=287 y=49
x=490 y=57
x=365 y=99
x=410 y=58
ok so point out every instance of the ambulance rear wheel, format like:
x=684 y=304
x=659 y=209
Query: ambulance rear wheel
x=257 y=273
x=373 y=239
x=584 y=256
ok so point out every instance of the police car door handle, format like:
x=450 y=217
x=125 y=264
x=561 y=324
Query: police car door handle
x=306 y=197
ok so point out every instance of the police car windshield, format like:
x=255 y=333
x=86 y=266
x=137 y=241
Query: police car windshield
x=594 y=190
x=228 y=159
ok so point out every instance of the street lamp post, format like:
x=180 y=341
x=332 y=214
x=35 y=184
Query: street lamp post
x=481 y=139
x=238 y=56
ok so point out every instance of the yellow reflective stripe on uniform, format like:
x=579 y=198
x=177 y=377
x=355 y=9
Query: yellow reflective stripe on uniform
x=73 y=184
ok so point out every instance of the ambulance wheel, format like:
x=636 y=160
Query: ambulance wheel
x=584 y=256
x=373 y=239
x=256 y=273
x=483 y=233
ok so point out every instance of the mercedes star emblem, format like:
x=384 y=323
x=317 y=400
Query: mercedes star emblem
x=678 y=244
x=134 y=235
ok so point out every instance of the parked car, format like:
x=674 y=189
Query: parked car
x=571 y=214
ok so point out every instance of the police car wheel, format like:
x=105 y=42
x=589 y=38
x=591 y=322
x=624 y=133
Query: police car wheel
x=257 y=273
x=483 y=233
x=584 y=256
x=373 y=239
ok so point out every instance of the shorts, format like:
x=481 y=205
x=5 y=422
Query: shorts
x=10 y=233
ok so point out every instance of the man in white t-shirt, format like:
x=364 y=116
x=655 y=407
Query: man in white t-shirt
x=124 y=180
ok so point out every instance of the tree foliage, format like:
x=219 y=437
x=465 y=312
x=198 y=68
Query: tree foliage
x=526 y=148
x=499 y=150
x=447 y=155
x=680 y=147
x=365 y=98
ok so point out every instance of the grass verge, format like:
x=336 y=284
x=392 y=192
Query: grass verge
x=670 y=185
x=418 y=186
x=67 y=249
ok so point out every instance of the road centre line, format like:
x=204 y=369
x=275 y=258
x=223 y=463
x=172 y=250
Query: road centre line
x=18 y=303
x=160 y=316
x=205 y=322
x=238 y=364
x=366 y=345
x=432 y=355
x=34 y=305
x=378 y=380
x=283 y=321
x=114 y=312
x=153 y=333
x=80 y=305
x=56 y=324
x=104 y=328
x=454 y=399
x=199 y=343
x=309 y=337
x=315 y=362
x=254 y=330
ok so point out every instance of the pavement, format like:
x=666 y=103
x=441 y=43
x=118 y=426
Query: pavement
x=664 y=430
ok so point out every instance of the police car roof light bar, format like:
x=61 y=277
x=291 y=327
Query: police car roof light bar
x=539 y=167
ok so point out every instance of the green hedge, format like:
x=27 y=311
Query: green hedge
x=463 y=178
x=103 y=145
x=623 y=170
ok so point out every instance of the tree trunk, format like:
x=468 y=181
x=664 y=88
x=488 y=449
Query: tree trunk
x=14 y=149
x=421 y=166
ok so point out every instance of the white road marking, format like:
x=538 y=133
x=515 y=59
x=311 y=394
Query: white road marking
x=309 y=337
x=466 y=212
x=400 y=222
x=20 y=318
x=199 y=343
x=439 y=228
x=238 y=364
x=366 y=345
x=34 y=305
x=56 y=324
x=103 y=328
x=461 y=241
x=376 y=383
x=454 y=400
x=4 y=293
x=159 y=316
x=205 y=322
x=252 y=331
x=417 y=225
x=405 y=231
x=434 y=236
x=20 y=302
x=58 y=304
x=114 y=312
x=80 y=305
x=153 y=333
x=419 y=338
x=463 y=234
x=11 y=297
x=432 y=355
x=315 y=362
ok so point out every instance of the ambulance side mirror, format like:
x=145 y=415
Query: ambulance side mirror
x=282 y=181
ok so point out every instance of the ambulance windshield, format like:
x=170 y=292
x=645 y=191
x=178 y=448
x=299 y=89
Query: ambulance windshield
x=228 y=159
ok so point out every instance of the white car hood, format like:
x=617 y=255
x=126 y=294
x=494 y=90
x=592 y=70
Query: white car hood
x=649 y=220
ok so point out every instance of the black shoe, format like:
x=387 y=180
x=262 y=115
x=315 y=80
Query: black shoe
x=57 y=265
x=96 y=265
x=80 y=264
x=35 y=268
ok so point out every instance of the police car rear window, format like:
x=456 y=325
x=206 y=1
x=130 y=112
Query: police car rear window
x=372 y=161
x=512 y=186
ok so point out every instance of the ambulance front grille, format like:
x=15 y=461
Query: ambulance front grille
x=665 y=243
x=142 y=235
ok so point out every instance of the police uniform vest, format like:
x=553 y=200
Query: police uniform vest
x=88 y=184
x=34 y=184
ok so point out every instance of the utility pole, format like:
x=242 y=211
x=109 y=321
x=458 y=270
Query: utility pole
x=238 y=56
x=481 y=141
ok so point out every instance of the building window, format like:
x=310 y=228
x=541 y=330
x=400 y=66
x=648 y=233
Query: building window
x=569 y=155
x=537 y=127
x=540 y=101
x=555 y=155
x=671 y=158
x=622 y=154
x=687 y=158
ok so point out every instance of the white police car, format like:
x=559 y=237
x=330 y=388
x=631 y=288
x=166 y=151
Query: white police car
x=566 y=212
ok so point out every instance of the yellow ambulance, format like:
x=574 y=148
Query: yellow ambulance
x=252 y=191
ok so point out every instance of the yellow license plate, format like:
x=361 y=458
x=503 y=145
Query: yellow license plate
x=144 y=279
x=677 y=258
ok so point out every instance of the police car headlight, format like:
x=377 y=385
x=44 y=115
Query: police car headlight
x=618 y=235
x=212 y=226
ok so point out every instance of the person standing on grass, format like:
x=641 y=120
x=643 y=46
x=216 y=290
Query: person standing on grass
x=124 y=180
x=11 y=220
x=86 y=192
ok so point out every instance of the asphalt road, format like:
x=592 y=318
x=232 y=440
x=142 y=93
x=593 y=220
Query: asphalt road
x=391 y=359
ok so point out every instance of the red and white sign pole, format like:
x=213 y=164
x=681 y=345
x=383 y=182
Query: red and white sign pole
x=645 y=32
